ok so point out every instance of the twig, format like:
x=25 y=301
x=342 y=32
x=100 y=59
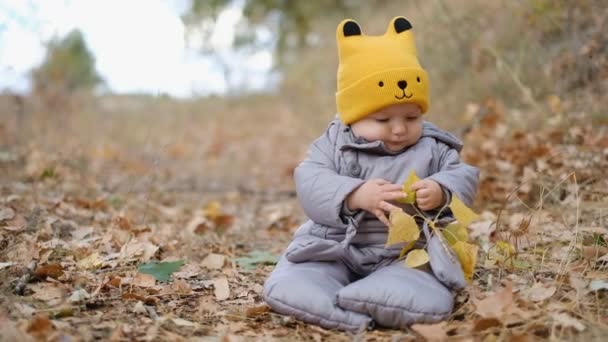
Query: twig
x=20 y=287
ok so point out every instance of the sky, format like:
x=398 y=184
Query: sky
x=139 y=46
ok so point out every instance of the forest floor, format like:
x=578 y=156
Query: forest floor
x=82 y=209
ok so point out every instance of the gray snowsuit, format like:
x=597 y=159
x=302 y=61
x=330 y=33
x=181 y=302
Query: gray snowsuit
x=337 y=272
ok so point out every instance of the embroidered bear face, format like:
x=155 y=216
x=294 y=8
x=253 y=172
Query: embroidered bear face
x=377 y=71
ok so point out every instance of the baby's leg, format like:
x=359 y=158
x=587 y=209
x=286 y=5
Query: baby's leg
x=308 y=292
x=396 y=296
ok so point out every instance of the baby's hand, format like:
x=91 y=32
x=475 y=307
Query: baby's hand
x=373 y=196
x=429 y=194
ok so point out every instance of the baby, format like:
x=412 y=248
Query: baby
x=337 y=272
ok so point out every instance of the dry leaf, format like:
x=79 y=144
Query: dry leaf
x=90 y=262
x=463 y=214
x=567 y=321
x=255 y=311
x=6 y=213
x=538 y=292
x=134 y=249
x=50 y=270
x=143 y=280
x=592 y=253
x=182 y=322
x=431 y=332
x=139 y=308
x=79 y=295
x=467 y=256
x=403 y=228
x=181 y=286
x=214 y=261
x=417 y=257
x=496 y=305
x=486 y=323
x=47 y=292
x=4 y=265
x=221 y=289
x=410 y=197
x=40 y=327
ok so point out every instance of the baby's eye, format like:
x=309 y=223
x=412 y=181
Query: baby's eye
x=382 y=119
x=412 y=118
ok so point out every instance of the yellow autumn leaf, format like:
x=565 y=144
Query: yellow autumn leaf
x=417 y=257
x=213 y=210
x=403 y=228
x=467 y=255
x=463 y=214
x=410 y=197
x=501 y=252
x=407 y=248
x=91 y=262
x=455 y=232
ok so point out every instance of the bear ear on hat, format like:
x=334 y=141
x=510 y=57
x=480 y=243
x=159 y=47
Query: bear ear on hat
x=400 y=24
x=349 y=28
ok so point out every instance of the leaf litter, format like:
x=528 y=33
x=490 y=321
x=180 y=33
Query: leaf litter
x=535 y=257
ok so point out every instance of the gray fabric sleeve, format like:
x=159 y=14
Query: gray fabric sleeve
x=321 y=190
x=459 y=178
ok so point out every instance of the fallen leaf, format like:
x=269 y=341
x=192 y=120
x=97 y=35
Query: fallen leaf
x=221 y=289
x=6 y=213
x=496 y=305
x=24 y=309
x=417 y=257
x=47 y=292
x=82 y=232
x=187 y=271
x=79 y=295
x=431 y=332
x=143 y=280
x=180 y=322
x=50 y=270
x=181 y=286
x=410 y=197
x=538 y=292
x=161 y=270
x=139 y=250
x=485 y=323
x=592 y=253
x=402 y=228
x=255 y=258
x=92 y=261
x=467 y=256
x=567 y=321
x=214 y=261
x=139 y=308
x=463 y=214
x=4 y=265
x=258 y=310
x=40 y=326
x=15 y=224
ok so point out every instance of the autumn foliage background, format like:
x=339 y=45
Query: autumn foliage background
x=93 y=187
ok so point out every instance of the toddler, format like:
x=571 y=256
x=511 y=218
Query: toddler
x=337 y=272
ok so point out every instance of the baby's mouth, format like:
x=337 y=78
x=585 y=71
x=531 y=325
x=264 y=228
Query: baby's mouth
x=404 y=96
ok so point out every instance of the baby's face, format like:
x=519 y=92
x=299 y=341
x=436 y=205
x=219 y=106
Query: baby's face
x=398 y=126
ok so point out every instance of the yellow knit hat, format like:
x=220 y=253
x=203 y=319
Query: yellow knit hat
x=378 y=71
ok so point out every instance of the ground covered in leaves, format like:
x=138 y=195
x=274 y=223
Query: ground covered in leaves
x=170 y=237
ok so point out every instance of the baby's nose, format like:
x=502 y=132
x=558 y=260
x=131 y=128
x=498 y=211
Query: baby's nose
x=402 y=84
